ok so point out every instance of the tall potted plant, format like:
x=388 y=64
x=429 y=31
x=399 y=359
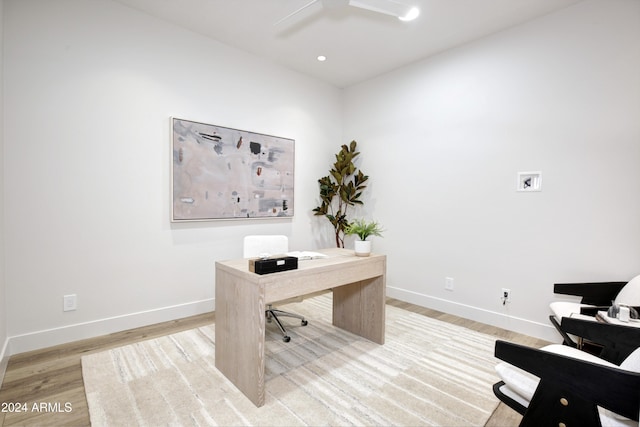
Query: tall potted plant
x=363 y=230
x=341 y=189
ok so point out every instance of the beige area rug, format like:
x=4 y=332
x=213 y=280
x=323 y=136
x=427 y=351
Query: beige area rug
x=427 y=373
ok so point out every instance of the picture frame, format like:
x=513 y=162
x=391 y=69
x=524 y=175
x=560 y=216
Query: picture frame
x=220 y=173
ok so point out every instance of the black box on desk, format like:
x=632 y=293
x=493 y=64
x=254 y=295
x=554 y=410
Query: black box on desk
x=273 y=265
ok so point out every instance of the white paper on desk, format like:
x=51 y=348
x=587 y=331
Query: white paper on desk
x=302 y=255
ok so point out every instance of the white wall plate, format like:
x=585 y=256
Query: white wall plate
x=529 y=181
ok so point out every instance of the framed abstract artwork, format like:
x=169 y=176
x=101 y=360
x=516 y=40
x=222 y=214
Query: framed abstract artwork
x=225 y=173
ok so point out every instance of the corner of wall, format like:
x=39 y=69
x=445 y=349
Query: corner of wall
x=4 y=358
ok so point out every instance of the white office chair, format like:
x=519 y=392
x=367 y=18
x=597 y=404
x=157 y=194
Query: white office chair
x=271 y=245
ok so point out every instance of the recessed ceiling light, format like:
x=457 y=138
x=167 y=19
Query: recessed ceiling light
x=413 y=13
x=322 y=58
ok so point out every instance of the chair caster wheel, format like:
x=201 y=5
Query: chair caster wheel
x=286 y=338
x=304 y=323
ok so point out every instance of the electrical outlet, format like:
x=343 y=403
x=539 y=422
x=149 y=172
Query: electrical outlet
x=70 y=302
x=448 y=283
x=505 y=296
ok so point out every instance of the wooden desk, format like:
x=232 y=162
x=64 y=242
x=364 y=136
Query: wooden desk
x=358 y=285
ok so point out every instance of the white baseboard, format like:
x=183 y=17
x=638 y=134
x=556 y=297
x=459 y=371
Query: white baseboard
x=501 y=320
x=55 y=336
x=65 y=334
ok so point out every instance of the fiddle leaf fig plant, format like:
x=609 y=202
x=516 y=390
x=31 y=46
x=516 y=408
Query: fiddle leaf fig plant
x=341 y=189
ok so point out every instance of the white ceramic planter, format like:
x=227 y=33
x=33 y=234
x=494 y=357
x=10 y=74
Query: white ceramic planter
x=362 y=247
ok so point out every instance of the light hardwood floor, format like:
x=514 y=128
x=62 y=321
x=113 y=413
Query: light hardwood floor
x=53 y=376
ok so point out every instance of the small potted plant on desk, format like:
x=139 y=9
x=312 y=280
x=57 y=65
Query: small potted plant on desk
x=363 y=229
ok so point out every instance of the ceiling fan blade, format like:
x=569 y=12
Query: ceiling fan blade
x=295 y=12
x=388 y=7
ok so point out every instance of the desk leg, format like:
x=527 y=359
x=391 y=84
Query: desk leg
x=360 y=308
x=240 y=327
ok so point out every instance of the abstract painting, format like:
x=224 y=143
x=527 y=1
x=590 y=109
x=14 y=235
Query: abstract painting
x=224 y=173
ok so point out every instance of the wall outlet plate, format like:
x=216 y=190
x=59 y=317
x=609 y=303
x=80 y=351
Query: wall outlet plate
x=448 y=283
x=70 y=302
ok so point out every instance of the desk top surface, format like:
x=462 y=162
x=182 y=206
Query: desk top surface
x=335 y=257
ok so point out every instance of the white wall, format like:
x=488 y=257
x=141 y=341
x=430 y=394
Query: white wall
x=443 y=141
x=89 y=89
x=3 y=300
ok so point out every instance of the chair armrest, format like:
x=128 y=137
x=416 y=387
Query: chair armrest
x=618 y=341
x=583 y=384
x=594 y=293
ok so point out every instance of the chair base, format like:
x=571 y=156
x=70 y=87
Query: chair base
x=272 y=314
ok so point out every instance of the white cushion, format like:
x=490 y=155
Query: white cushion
x=561 y=309
x=525 y=383
x=518 y=380
x=609 y=419
x=565 y=350
x=630 y=293
x=632 y=362
x=512 y=394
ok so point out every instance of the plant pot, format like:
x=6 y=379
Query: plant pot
x=362 y=247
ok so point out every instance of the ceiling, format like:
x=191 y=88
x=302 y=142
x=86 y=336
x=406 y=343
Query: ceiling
x=359 y=44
